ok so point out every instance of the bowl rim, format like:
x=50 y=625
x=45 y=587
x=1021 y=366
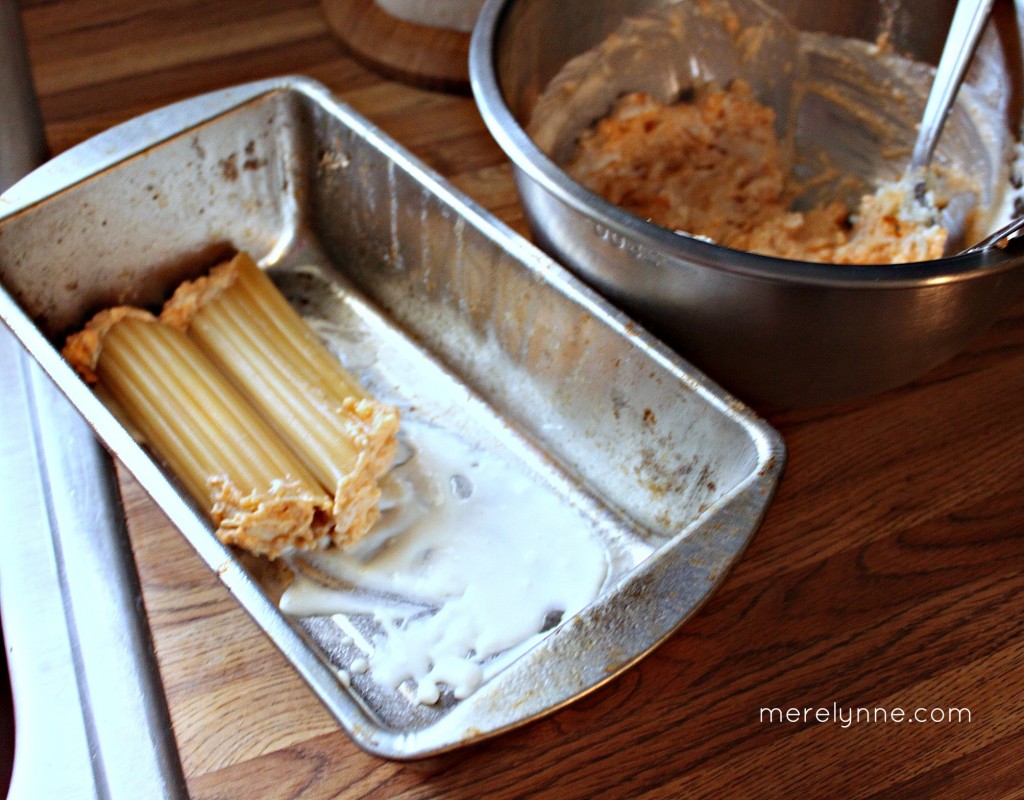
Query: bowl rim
x=531 y=160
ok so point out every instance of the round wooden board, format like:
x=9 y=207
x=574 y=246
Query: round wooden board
x=434 y=58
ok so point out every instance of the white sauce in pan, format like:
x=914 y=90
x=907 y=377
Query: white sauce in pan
x=473 y=557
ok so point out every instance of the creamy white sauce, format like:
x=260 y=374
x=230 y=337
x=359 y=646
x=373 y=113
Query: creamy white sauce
x=473 y=557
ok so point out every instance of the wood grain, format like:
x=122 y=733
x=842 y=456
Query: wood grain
x=889 y=571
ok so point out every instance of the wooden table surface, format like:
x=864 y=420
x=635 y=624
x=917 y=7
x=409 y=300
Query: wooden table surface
x=888 y=575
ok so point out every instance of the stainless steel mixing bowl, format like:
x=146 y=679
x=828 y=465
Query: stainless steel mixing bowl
x=774 y=332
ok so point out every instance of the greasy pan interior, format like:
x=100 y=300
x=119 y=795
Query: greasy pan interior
x=456 y=319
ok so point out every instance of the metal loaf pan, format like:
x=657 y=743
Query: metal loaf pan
x=462 y=319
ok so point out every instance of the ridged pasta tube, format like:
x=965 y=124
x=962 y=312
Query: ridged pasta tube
x=258 y=493
x=242 y=323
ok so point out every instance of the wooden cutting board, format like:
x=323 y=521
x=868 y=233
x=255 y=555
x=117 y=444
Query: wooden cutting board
x=889 y=571
x=427 y=56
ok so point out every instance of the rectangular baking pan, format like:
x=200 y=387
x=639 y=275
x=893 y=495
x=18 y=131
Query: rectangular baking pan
x=482 y=329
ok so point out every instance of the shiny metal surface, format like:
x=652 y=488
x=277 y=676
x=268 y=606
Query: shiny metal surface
x=91 y=720
x=1001 y=237
x=21 y=149
x=22 y=146
x=776 y=332
x=484 y=330
x=91 y=716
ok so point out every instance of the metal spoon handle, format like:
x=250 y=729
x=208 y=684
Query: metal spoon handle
x=1005 y=233
x=964 y=33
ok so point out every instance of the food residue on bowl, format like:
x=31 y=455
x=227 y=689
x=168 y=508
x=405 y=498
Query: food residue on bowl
x=712 y=167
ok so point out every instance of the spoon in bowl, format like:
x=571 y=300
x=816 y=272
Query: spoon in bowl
x=998 y=238
x=961 y=41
